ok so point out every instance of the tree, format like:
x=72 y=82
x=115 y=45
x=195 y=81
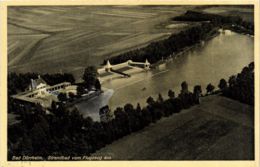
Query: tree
x=185 y=96
x=90 y=76
x=160 y=98
x=232 y=81
x=171 y=94
x=71 y=95
x=197 y=89
x=80 y=90
x=184 y=87
x=146 y=117
x=69 y=78
x=40 y=134
x=53 y=105
x=245 y=70
x=222 y=84
x=97 y=84
x=62 y=97
x=26 y=145
x=128 y=108
x=241 y=86
x=251 y=66
x=138 y=107
x=122 y=122
x=88 y=121
x=150 y=101
x=210 y=88
x=197 y=93
x=134 y=122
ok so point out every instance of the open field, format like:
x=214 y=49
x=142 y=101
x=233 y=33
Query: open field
x=22 y=47
x=50 y=39
x=217 y=129
x=82 y=35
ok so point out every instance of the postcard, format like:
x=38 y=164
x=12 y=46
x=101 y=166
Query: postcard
x=158 y=83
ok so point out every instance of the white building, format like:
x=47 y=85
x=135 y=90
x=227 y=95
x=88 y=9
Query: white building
x=125 y=69
x=39 y=92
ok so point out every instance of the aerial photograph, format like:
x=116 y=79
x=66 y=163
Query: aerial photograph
x=130 y=82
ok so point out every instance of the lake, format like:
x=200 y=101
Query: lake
x=220 y=57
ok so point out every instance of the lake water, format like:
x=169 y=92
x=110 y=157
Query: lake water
x=220 y=57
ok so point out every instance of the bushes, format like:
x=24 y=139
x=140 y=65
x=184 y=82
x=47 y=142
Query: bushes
x=66 y=132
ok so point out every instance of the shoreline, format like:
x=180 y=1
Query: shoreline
x=187 y=49
x=184 y=50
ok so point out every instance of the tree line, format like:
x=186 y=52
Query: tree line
x=177 y=42
x=238 y=87
x=65 y=132
x=241 y=86
x=234 y=23
x=155 y=51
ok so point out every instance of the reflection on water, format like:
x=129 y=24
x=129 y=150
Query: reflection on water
x=91 y=107
x=218 y=58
